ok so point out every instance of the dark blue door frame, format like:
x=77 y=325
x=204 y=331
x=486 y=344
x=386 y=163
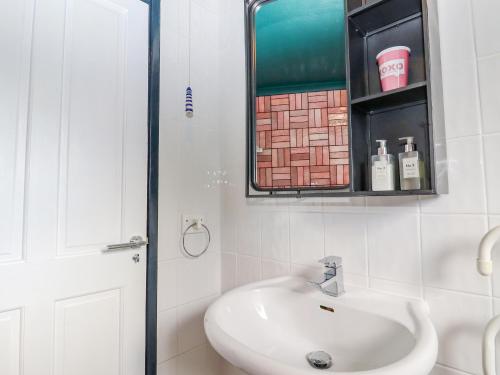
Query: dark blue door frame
x=153 y=172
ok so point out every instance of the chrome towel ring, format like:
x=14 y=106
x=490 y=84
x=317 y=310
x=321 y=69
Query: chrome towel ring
x=188 y=252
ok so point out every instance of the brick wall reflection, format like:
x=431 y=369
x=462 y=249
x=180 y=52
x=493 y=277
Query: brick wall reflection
x=302 y=140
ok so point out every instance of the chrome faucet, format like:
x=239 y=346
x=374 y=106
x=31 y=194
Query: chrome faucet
x=332 y=280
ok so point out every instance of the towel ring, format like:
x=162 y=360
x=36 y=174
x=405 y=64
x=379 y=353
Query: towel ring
x=184 y=241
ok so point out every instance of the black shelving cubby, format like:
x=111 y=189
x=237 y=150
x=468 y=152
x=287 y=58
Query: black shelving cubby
x=354 y=4
x=377 y=14
x=410 y=120
x=364 y=47
x=373 y=26
x=409 y=34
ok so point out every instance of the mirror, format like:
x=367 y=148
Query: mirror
x=298 y=107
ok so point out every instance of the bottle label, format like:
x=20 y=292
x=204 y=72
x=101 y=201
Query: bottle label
x=382 y=176
x=411 y=168
x=380 y=169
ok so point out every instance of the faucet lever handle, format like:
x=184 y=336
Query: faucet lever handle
x=331 y=261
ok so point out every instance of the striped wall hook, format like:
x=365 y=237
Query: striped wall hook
x=189 y=102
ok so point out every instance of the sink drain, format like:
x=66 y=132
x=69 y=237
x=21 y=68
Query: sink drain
x=320 y=360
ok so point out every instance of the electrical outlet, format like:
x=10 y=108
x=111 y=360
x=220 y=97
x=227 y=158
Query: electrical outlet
x=188 y=220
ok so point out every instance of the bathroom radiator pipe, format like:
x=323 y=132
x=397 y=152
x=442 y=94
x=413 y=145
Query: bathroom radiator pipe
x=485 y=268
x=490 y=334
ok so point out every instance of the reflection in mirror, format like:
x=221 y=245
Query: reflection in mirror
x=299 y=120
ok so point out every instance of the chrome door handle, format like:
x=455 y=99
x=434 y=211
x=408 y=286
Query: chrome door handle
x=136 y=242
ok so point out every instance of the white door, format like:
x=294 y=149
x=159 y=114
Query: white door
x=73 y=179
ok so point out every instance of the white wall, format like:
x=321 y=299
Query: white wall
x=189 y=156
x=413 y=246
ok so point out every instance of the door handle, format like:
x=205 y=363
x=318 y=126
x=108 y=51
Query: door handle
x=135 y=242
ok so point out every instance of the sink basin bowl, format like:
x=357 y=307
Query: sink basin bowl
x=269 y=327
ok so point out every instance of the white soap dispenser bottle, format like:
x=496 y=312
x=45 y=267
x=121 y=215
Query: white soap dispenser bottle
x=383 y=169
x=411 y=166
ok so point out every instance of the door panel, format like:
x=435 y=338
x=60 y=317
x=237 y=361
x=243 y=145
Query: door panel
x=15 y=21
x=93 y=122
x=79 y=172
x=77 y=351
x=10 y=340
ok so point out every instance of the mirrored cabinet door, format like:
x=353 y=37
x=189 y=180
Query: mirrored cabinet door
x=299 y=132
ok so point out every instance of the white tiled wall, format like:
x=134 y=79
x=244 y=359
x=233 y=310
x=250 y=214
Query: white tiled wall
x=413 y=246
x=189 y=156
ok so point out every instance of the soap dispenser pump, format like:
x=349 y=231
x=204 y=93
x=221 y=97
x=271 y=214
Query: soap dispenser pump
x=383 y=169
x=411 y=166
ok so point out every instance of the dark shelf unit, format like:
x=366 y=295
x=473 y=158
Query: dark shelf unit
x=372 y=26
x=412 y=93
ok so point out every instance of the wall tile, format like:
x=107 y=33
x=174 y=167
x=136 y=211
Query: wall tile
x=393 y=246
x=496 y=312
x=494 y=221
x=228 y=369
x=487 y=26
x=392 y=204
x=456 y=31
x=168 y=368
x=459 y=320
x=189 y=156
x=276 y=236
x=489 y=80
x=248 y=234
x=168 y=203
x=170 y=15
x=345 y=236
x=444 y=255
x=269 y=205
x=441 y=370
x=228 y=270
x=461 y=108
x=310 y=272
x=248 y=270
x=392 y=287
x=198 y=278
x=190 y=327
x=167 y=285
x=168 y=237
x=195 y=243
x=228 y=222
x=360 y=281
x=458 y=60
x=307 y=237
x=492 y=162
x=168 y=346
x=213 y=6
x=353 y=204
x=306 y=205
x=272 y=269
x=170 y=101
x=441 y=159
x=202 y=360
x=466 y=181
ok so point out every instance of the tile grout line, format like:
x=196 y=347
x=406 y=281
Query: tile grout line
x=421 y=249
x=481 y=140
x=367 y=247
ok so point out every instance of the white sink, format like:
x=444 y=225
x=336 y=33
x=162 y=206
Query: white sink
x=268 y=328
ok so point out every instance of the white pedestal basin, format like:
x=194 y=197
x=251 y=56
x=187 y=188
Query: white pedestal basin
x=268 y=328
